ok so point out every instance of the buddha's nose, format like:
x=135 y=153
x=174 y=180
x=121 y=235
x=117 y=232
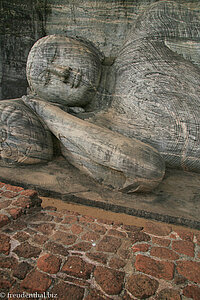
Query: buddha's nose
x=62 y=72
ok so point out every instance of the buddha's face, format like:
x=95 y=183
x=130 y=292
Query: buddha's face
x=63 y=70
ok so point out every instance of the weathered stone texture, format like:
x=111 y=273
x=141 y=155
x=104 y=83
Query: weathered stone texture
x=105 y=23
x=22 y=23
x=141 y=286
x=24 y=139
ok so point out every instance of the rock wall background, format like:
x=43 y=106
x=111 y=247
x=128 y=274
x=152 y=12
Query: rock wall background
x=104 y=22
x=22 y=23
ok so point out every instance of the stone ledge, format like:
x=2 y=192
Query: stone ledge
x=60 y=180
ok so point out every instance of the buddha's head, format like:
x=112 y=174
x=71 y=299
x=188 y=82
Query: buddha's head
x=64 y=70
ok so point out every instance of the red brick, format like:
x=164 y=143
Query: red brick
x=18 y=224
x=29 y=193
x=168 y=294
x=13 y=188
x=76 y=266
x=160 y=241
x=56 y=248
x=21 y=236
x=106 y=222
x=157 y=229
x=132 y=228
x=164 y=253
x=5 y=204
x=192 y=291
x=57 y=220
x=26 y=250
x=138 y=236
x=76 y=281
x=125 y=250
x=6 y=280
x=54 y=214
x=111 y=281
x=45 y=228
x=69 y=212
x=9 y=195
x=64 y=238
x=8 y=262
x=65 y=291
x=142 y=286
x=36 y=281
x=82 y=246
x=2 y=184
x=70 y=220
x=15 y=289
x=49 y=263
x=40 y=217
x=185 y=235
x=30 y=231
x=173 y=236
x=7 y=230
x=15 y=212
x=86 y=219
x=65 y=228
x=116 y=263
x=126 y=296
x=96 y=295
x=21 y=270
x=141 y=248
x=76 y=229
x=99 y=257
x=109 y=244
x=39 y=239
x=179 y=280
x=4 y=244
x=23 y=202
x=158 y=269
x=4 y=220
x=190 y=270
x=183 y=247
x=98 y=228
x=90 y=236
x=117 y=233
x=198 y=238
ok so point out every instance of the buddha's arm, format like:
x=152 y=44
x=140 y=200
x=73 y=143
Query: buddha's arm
x=111 y=158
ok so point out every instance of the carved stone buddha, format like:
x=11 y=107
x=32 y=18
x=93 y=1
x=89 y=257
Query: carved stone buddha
x=153 y=117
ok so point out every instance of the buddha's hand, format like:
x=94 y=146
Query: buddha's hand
x=110 y=158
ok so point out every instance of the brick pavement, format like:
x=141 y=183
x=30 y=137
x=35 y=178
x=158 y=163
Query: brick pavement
x=72 y=256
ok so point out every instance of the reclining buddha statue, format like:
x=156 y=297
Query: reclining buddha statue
x=152 y=119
